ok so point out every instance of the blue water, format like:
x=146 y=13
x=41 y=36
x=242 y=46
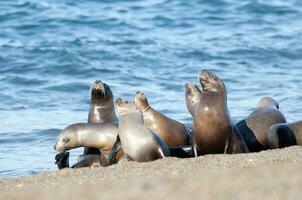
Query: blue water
x=51 y=51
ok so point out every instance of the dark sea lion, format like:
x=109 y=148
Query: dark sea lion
x=255 y=128
x=62 y=160
x=171 y=131
x=212 y=125
x=101 y=108
x=138 y=142
x=235 y=144
x=192 y=94
x=99 y=136
x=285 y=135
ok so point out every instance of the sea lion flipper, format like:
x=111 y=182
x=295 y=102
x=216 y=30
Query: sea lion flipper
x=228 y=149
x=237 y=143
x=181 y=152
x=194 y=150
x=117 y=146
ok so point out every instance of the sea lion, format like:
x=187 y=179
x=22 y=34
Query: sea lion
x=99 y=136
x=101 y=104
x=62 y=160
x=255 y=128
x=101 y=108
x=92 y=161
x=212 y=125
x=138 y=142
x=171 y=131
x=285 y=135
x=192 y=94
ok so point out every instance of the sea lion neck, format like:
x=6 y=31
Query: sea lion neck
x=91 y=140
x=99 y=101
x=126 y=117
x=103 y=112
x=209 y=89
x=145 y=109
x=220 y=95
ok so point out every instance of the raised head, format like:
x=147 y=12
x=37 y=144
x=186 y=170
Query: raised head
x=141 y=101
x=100 y=92
x=210 y=82
x=124 y=107
x=193 y=94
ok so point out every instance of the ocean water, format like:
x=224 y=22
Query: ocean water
x=51 y=51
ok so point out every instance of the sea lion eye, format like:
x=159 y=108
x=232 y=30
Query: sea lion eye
x=66 y=140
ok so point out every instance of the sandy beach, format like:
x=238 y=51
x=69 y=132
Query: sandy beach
x=272 y=174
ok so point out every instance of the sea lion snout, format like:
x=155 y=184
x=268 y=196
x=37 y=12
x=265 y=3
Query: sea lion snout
x=191 y=89
x=140 y=100
x=205 y=74
x=139 y=96
x=58 y=148
x=120 y=102
x=140 y=93
x=211 y=82
x=189 y=85
x=204 y=78
x=98 y=87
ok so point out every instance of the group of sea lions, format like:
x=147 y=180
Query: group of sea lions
x=140 y=133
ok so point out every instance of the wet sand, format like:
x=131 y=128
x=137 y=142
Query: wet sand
x=273 y=174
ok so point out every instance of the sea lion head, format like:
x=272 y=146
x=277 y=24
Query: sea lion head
x=210 y=82
x=267 y=102
x=141 y=101
x=100 y=92
x=124 y=107
x=192 y=93
x=68 y=139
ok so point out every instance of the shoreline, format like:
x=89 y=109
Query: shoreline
x=273 y=174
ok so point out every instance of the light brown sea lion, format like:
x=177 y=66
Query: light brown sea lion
x=101 y=108
x=138 y=142
x=255 y=128
x=192 y=94
x=101 y=104
x=99 y=136
x=212 y=125
x=171 y=131
x=285 y=135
